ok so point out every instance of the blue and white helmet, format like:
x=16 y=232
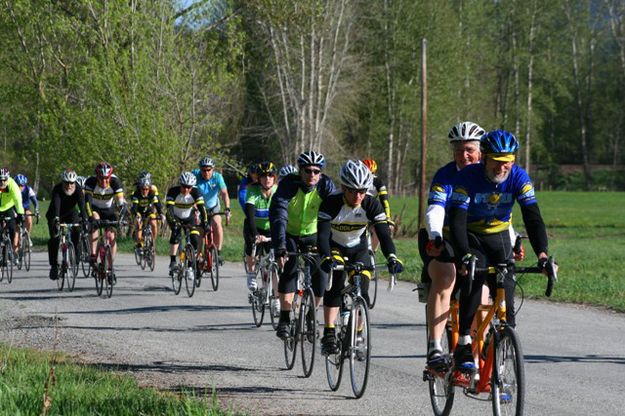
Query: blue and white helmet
x=187 y=179
x=311 y=158
x=356 y=175
x=287 y=170
x=21 y=179
x=69 y=176
x=80 y=180
x=206 y=162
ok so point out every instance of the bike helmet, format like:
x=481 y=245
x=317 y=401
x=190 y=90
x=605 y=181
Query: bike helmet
x=267 y=168
x=145 y=182
x=103 y=170
x=287 y=170
x=206 y=162
x=371 y=164
x=311 y=158
x=69 y=176
x=4 y=174
x=80 y=180
x=187 y=179
x=356 y=175
x=144 y=174
x=253 y=168
x=499 y=145
x=21 y=179
x=465 y=131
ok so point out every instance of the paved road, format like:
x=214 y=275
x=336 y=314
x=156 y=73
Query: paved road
x=575 y=356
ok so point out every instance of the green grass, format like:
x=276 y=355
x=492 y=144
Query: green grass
x=75 y=389
x=586 y=233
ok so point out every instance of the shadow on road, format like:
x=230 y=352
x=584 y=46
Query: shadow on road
x=591 y=358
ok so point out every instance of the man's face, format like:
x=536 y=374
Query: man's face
x=4 y=183
x=310 y=175
x=466 y=153
x=207 y=172
x=497 y=171
x=69 y=187
x=185 y=189
x=354 y=197
x=104 y=182
x=145 y=191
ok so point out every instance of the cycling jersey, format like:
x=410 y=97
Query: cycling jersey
x=64 y=206
x=142 y=204
x=99 y=198
x=378 y=189
x=260 y=205
x=181 y=206
x=28 y=196
x=489 y=205
x=294 y=208
x=210 y=188
x=11 y=197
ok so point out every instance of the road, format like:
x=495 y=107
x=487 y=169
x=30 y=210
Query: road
x=574 y=355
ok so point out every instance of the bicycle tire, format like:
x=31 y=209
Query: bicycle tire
x=290 y=344
x=72 y=267
x=308 y=332
x=138 y=259
x=189 y=263
x=3 y=264
x=360 y=347
x=99 y=272
x=148 y=252
x=334 y=362
x=85 y=254
x=60 y=281
x=274 y=313
x=441 y=389
x=214 y=269
x=258 y=300
x=178 y=274
x=10 y=263
x=109 y=280
x=508 y=377
x=24 y=246
x=373 y=294
x=27 y=253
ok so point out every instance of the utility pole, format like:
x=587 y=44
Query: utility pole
x=424 y=117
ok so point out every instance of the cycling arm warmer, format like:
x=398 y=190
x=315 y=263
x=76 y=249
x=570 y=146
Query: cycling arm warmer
x=434 y=221
x=535 y=228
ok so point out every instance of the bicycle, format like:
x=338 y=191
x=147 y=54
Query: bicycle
x=500 y=371
x=208 y=257
x=6 y=251
x=352 y=331
x=103 y=271
x=25 y=250
x=84 y=252
x=303 y=315
x=266 y=271
x=146 y=255
x=69 y=264
x=186 y=265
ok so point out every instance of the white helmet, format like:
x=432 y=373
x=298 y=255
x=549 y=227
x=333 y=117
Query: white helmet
x=81 y=181
x=311 y=158
x=287 y=170
x=465 y=131
x=187 y=179
x=206 y=162
x=356 y=175
x=69 y=176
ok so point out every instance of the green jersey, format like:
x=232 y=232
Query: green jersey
x=261 y=203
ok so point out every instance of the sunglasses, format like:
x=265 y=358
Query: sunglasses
x=186 y=186
x=268 y=174
x=206 y=169
x=357 y=191
x=312 y=171
x=69 y=183
x=4 y=180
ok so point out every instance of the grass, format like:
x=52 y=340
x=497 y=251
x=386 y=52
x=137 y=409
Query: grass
x=46 y=383
x=587 y=237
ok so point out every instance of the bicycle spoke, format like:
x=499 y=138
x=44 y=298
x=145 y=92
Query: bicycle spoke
x=360 y=347
x=308 y=332
x=508 y=379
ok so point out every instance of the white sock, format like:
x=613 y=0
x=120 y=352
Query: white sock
x=464 y=340
x=435 y=345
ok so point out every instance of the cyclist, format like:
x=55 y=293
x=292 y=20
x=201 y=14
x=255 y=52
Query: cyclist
x=480 y=215
x=182 y=201
x=67 y=205
x=293 y=218
x=378 y=189
x=256 y=226
x=211 y=185
x=28 y=197
x=286 y=170
x=11 y=205
x=342 y=232
x=145 y=206
x=103 y=192
x=437 y=254
x=250 y=179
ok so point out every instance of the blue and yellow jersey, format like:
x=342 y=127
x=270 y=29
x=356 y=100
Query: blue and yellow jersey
x=489 y=205
x=442 y=185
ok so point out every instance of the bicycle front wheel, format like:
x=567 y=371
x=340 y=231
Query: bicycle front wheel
x=290 y=344
x=23 y=249
x=99 y=273
x=373 y=287
x=149 y=254
x=84 y=254
x=308 y=331
x=214 y=268
x=334 y=362
x=60 y=281
x=274 y=310
x=360 y=347
x=190 y=271
x=440 y=387
x=9 y=263
x=508 y=378
x=258 y=299
x=72 y=266
x=109 y=280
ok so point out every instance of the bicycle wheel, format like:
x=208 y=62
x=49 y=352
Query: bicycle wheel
x=24 y=246
x=440 y=387
x=308 y=331
x=508 y=378
x=72 y=266
x=109 y=280
x=214 y=268
x=373 y=287
x=274 y=312
x=189 y=269
x=138 y=258
x=290 y=344
x=149 y=254
x=99 y=274
x=9 y=262
x=177 y=275
x=334 y=362
x=60 y=281
x=27 y=252
x=258 y=299
x=360 y=347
